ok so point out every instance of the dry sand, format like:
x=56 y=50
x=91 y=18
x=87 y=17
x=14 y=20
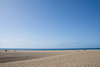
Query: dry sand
x=88 y=58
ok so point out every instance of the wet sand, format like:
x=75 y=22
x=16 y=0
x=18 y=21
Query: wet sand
x=10 y=55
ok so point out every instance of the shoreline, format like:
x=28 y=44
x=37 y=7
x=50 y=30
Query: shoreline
x=49 y=49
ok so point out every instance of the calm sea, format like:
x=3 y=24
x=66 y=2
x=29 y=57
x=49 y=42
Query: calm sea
x=50 y=49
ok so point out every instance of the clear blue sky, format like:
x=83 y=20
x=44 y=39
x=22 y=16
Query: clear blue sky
x=49 y=23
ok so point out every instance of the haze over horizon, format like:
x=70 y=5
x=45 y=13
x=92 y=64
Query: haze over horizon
x=49 y=23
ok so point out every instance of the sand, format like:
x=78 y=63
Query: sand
x=88 y=58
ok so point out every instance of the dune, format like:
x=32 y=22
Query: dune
x=71 y=58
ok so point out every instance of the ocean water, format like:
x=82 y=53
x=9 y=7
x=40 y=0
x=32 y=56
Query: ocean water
x=50 y=49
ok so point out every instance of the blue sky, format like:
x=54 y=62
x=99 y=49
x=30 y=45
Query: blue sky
x=49 y=23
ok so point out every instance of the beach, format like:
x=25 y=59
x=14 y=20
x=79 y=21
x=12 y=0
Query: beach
x=60 y=58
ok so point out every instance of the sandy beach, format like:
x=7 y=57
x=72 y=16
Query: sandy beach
x=65 y=58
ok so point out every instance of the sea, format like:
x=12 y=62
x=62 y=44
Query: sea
x=49 y=49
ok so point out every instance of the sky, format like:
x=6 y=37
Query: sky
x=49 y=23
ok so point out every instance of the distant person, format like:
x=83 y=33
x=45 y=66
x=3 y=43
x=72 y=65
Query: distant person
x=84 y=50
x=6 y=50
x=15 y=50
